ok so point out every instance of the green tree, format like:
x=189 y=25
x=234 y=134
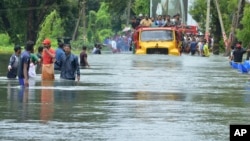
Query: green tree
x=103 y=22
x=141 y=6
x=91 y=31
x=227 y=8
x=21 y=19
x=244 y=33
x=118 y=10
x=99 y=25
x=51 y=27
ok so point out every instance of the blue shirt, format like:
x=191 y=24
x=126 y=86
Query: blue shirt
x=193 y=45
x=69 y=66
x=59 y=53
x=24 y=59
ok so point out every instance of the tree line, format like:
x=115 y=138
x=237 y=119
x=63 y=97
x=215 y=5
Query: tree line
x=24 y=20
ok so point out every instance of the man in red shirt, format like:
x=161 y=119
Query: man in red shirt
x=48 y=61
x=83 y=58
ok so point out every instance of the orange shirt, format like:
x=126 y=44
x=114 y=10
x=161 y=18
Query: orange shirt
x=46 y=58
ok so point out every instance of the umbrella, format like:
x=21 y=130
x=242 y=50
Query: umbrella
x=126 y=29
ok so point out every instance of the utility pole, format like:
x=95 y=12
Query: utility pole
x=238 y=14
x=235 y=23
x=222 y=27
x=167 y=1
x=82 y=15
x=207 y=20
x=84 y=20
x=128 y=12
x=77 y=23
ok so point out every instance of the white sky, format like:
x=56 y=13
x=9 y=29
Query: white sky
x=190 y=20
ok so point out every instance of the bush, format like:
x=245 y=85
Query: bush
x=5 y=45
x=5 y=40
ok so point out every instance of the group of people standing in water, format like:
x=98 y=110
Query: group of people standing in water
x=23 y=64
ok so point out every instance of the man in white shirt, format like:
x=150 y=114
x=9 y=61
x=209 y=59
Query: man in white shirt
x=114 y=46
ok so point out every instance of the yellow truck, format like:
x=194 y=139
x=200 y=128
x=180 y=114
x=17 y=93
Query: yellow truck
x=157 y=40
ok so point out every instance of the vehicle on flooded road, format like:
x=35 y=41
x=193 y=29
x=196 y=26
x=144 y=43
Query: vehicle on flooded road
x=160 y=40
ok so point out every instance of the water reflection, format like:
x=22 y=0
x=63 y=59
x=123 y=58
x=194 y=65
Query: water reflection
x=66 y=91
x=47 y=101
x=144 y=95
x=18 y=100
x=11 y=91
x=156 y=61
x=32 y=90
x=23 y=105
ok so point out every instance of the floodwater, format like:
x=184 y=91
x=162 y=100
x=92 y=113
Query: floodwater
x=126 y=97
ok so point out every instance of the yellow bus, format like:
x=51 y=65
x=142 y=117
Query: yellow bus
x=156 y=40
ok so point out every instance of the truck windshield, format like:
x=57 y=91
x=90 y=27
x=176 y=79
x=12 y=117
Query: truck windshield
x=157 y=35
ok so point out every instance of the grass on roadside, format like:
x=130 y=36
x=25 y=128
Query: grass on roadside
x=6 y=49
x=5 y=45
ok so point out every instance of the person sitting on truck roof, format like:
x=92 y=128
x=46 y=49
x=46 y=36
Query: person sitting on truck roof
x=167 y=21
x=135 y=22
x=176 y=19
x=146 y=21
x=159 y=21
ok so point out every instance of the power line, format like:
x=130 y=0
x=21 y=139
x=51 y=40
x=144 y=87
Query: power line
x=32 y=8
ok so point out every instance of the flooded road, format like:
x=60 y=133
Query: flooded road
x=125 y=97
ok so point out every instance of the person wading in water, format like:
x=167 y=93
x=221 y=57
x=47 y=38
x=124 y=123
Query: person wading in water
x=48 y=61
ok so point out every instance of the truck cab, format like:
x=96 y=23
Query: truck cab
x=156 y=40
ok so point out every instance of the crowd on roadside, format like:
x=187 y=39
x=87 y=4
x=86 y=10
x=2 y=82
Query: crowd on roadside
x=196 y=45
x=119 y=43
x=26 y=64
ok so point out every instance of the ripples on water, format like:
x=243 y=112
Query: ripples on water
x=129 y=97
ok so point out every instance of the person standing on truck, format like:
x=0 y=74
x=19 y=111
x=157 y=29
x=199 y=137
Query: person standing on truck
x=167 y=21
x=159 y=21
x=177 y=20
x=146 y=22
x=135 y=22
x=153 y=22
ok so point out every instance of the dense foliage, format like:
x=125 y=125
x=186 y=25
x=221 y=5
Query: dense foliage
x=244 y=33
x=228 y=10
x=21 y=19
x=34 y=20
